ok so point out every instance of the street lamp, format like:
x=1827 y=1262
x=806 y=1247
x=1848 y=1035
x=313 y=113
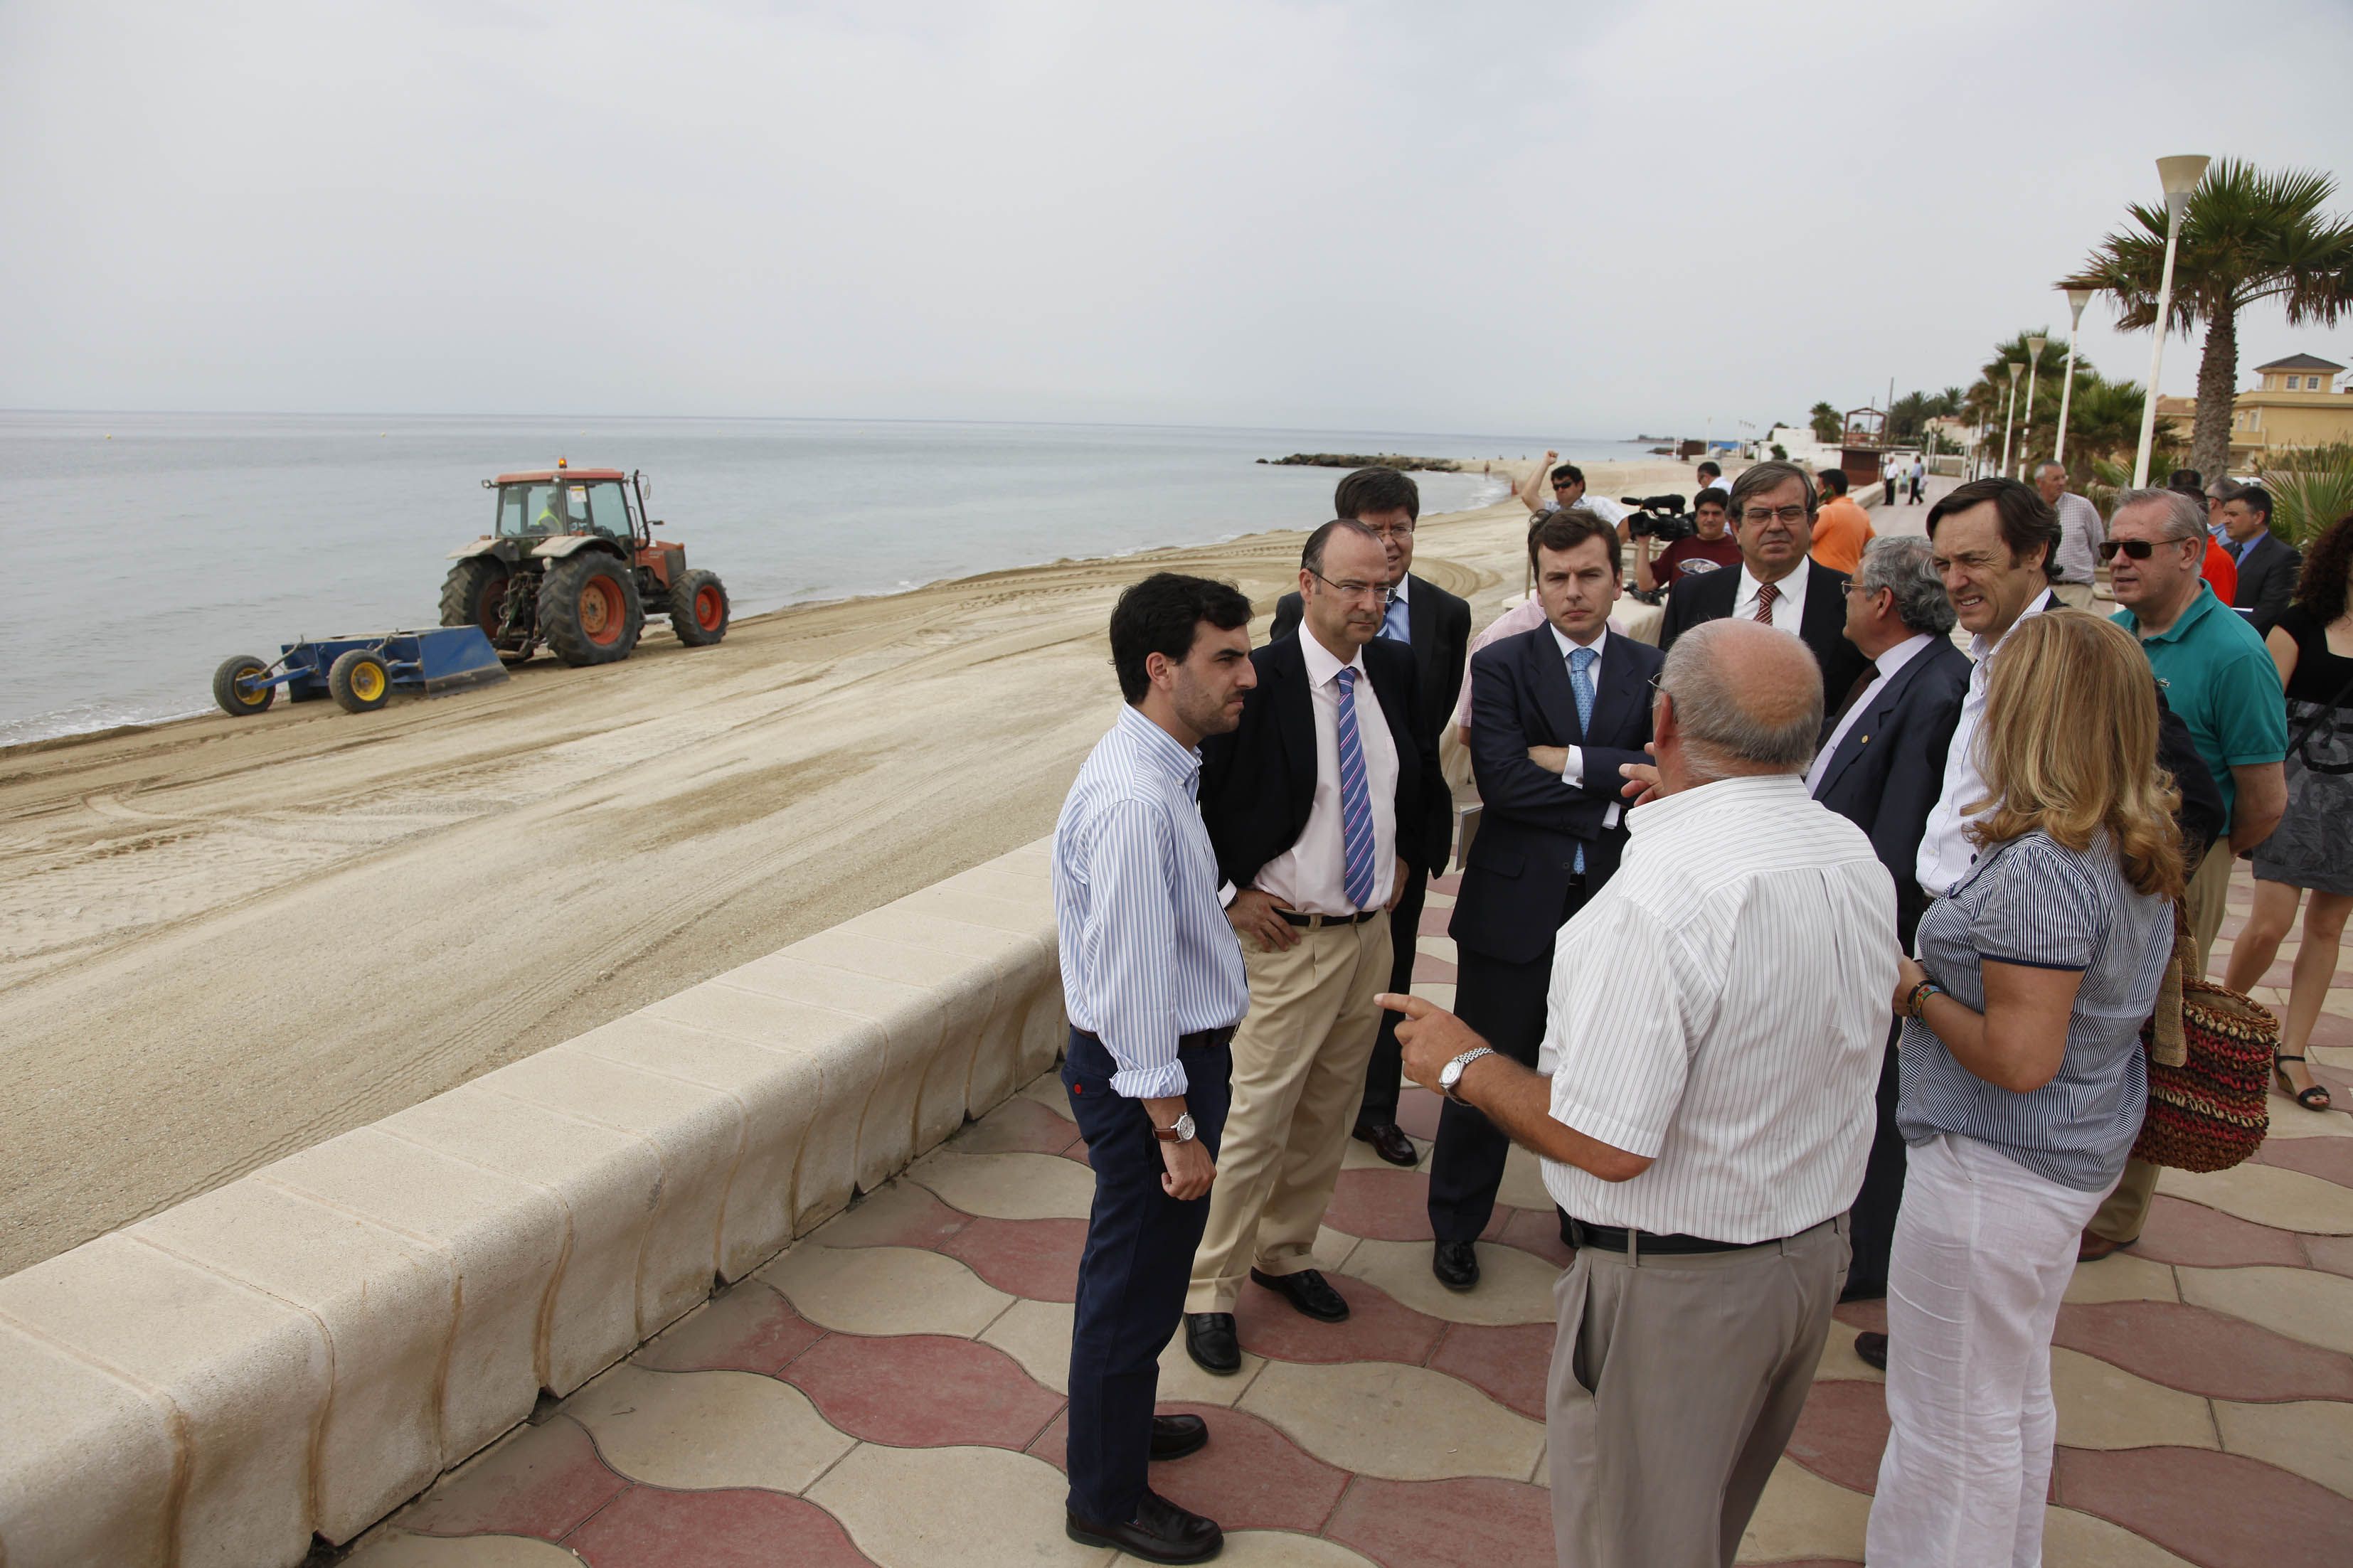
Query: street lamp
x=2180 y=176
x=2026 y=425
x=2076 y=299
x=2009 y=407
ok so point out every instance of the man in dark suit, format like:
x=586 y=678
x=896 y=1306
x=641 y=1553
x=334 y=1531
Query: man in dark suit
x=1556 y=711
x=1315 y=804
x=1882 y=766
x=1437 y=627
x=2267 y=564
x=1773 y=507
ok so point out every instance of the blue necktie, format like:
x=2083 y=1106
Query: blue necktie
x=1355 y=800
x=1395 y=626
x=1580 y=681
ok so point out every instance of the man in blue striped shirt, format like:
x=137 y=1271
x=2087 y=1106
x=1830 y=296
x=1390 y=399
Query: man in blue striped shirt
x=1154 y=981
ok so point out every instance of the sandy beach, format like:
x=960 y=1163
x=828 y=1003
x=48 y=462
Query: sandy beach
x=225 y=940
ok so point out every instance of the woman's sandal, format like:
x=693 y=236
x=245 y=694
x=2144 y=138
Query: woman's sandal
x=2312 y=1099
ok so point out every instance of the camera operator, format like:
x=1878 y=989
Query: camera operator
x=1710 y=547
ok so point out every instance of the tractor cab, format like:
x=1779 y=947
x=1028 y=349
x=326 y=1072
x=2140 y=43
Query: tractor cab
x=585 y=500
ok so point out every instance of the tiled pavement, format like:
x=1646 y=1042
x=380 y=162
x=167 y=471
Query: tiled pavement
x=890 y=1391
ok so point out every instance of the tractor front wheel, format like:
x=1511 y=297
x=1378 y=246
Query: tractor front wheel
x=589 y=611
x=359 y=682
x=698 y=609
x=235 y=689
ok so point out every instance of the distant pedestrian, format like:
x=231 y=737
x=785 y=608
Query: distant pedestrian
x=1888 y=473
x=1842 y=528
x=2080 y=532
x=1919 y=479
x=2267 y=564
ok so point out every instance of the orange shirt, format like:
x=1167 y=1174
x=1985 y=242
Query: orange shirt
x=2220 y=571
x=1841 y=530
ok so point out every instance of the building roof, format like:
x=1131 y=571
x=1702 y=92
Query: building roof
x=2298 y=362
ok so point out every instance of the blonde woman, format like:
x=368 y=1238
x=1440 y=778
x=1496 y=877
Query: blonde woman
x=2023 y=1084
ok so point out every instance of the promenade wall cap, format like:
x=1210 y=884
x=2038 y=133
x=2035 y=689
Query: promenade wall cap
x=87 y=1460
x=962 y=993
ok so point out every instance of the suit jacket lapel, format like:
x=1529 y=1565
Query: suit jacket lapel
x=1294 y=721
x=1620 y=690
x=1825 y=616
x=1421 y=628
x=1555 y=697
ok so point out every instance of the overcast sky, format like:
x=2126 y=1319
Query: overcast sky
x=1577 y=219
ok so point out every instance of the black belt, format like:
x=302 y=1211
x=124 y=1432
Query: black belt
x=1198 y=1040
x=1612 y=1238
x=1293 y=916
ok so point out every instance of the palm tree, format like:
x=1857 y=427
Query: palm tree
x=2247 y=236
x=1827 y=422
x=1989 y=398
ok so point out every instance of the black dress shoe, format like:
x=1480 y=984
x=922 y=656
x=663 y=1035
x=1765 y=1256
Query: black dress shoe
x=1871 y=1349
x=1389 y=1141
x=1174 y=1437
x=1863 y=1291
x=1209 y=1341
x=1307 y=1290
x=1160 y=1532
x=1456 y=1264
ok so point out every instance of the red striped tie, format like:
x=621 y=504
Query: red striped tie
x=1765 y=593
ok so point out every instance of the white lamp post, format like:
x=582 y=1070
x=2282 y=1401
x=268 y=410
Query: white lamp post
x=2026 y=421
x=2180 y=176
x=2009 y=407
x=2076 y=299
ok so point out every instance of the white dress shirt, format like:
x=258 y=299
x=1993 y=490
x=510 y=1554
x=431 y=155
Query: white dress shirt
x=1572 y=772
x=1888 y=664
x=1946 y=852
x=1310 y=875
x=1720 y=1008
x=1603 y=507
x=1788 y=609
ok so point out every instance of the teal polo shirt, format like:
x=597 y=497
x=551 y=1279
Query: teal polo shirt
x=2221 y=679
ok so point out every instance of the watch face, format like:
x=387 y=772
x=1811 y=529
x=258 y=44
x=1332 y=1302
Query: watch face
x=1449 y=1075
x=1184 y=1127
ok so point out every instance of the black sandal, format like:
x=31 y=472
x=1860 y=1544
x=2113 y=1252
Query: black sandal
x=2312 y=1099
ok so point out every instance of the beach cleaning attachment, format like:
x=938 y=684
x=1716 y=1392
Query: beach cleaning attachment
x=360 y=673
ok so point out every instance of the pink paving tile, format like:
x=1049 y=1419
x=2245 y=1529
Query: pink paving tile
x=2222 y=1510
x=1379 y=1327
x=1536 y=1231
x=2330 y=1254
x=923 y=1221
x=1250 y=1477
x=2202 y=1352
x=2329 y=1029
x=1435 y=921
x=2192 y=1234
x=923 y=1391
x=2331 y=1158
x=542 y=1481
x=1034 y=1257
x=1393 y=1206
x=1429 y=969
x=1474 y=1522
x=1019 y=1126
x=1509 y=1361
x=738 y=1528
x=1842 y=1432
x=1418 y=1111
x=746 y=1328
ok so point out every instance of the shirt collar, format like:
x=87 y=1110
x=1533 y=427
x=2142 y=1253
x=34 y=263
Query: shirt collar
x=1569 y=645
x=1321 y=668
x=1403 y=592
x=1736 y=794
x=1901 y=654
x=1979 y=648
x=2198 y=610
x=1158 y=746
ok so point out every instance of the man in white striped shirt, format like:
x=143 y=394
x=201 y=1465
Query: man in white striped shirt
x=1152 y=978
x=1712 y=1040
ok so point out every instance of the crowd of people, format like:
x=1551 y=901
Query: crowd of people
x=1810 y=954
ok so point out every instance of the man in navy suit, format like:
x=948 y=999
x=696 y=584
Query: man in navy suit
x=1881 y=766
x=2267 y=565
x=1556 y=711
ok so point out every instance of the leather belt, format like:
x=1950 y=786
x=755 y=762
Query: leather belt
x=1612 y=1238
x=1293 y=916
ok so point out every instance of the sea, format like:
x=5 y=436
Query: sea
x=149 y=547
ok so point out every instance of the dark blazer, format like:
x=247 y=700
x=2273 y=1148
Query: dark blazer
x=2267 y=581
x=1515 y=890
x=1439 y=626
x=1710 y=597
x=1258 y=781
x=1889 y=768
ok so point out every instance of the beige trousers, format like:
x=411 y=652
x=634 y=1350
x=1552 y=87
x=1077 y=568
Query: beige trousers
x=1299 y=1073
x=2074 y=595
x=2208 y=889
x=1676 y=1380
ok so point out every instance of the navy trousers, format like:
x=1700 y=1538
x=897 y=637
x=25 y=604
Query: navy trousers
x=1505 y=1004
x=1132 y=1275
x=1383 y=1072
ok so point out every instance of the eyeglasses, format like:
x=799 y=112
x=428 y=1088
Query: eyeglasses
x=1757 y=516
x=2138 y=549
x=1393 y=531
x=1351 y=590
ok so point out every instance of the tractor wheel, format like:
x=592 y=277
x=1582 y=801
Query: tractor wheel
x=589 y=610
x=359 y=682
x=475 y=595
x=232 y=691
x=698 y=609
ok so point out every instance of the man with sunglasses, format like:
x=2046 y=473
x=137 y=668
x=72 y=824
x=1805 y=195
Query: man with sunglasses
x=1567 y=481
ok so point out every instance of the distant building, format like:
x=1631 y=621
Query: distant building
x=2295 y=405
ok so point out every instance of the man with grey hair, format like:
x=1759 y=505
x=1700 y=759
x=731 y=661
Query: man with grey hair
x=2080 y=532
x=1711 y=1041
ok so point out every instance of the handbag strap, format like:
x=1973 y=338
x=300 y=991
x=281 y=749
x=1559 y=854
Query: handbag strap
x=2296 y=742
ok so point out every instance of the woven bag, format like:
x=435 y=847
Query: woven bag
x=2209 y=1084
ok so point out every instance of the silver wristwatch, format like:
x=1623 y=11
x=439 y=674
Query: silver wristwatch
x=1451 y=1073
x=1183 y=1133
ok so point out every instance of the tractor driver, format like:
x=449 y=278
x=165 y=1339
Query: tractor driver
x=551 y=517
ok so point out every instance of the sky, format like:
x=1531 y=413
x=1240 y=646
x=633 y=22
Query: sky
x=1592 y=219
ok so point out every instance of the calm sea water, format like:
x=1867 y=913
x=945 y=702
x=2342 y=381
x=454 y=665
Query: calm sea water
x=147 y=548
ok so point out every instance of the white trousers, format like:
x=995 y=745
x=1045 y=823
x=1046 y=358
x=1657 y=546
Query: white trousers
x=1984 y=1248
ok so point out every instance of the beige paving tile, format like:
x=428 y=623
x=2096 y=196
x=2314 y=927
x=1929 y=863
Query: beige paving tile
x=1276 y=1548
x=1515 y=1287
x=1332 y=1248
x=1038 y=1335
x=1802 y=1515
x=398 y=1549
x=2071 y=1540
x=1439 y=992
x=885 y=1290
x=1403 y=1422
x=1009 y=1187
x=2121 y=1277
x=1522 y=1184
x=1046 y=1090
x=2102 y=1406
x=2331 y=1056
x=1438 y=947
x=698 y=1430
x=2301 y=1303
x=2289 y=1120
x=2313 y=1438
x=2265 y=1195
x=1181 y=1378
x=1838 y=1359
x=953 y=1507
x=876 y=1216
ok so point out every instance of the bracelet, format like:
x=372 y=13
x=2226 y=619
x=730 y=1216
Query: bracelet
x=1918 y=998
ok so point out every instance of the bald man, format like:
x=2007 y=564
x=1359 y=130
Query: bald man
x=1713 y=1038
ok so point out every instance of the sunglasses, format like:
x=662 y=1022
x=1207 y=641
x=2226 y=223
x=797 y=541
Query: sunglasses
x=2138 y=549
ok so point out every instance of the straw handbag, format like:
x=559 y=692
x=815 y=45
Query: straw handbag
x=2209 y=1070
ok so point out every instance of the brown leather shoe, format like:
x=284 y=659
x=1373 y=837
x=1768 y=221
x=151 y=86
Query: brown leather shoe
x=1160 y=1532
x=2092 y=1249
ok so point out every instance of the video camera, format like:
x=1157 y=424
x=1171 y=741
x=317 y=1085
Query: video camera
x=1662 y=518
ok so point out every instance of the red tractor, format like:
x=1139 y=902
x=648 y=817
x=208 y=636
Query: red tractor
x=573 y=564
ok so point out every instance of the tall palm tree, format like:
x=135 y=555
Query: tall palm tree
x=2247 y=236
x=1989 y=398
x=1827 y=422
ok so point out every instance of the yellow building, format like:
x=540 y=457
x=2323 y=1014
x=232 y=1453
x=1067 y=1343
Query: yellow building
x=2295 y=405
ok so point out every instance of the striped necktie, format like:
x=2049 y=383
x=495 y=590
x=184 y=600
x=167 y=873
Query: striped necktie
x=1580 y=681
x=1355 y=800
x=1765 y=593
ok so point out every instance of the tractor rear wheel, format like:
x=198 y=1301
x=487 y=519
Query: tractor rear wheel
x=359 y=682
x=588 y=609
x=234 y=690
x=698 y=609
x=475 y=595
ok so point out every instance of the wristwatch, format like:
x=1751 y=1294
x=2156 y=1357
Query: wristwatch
x=1180 y=1133
x=1451 y=1073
